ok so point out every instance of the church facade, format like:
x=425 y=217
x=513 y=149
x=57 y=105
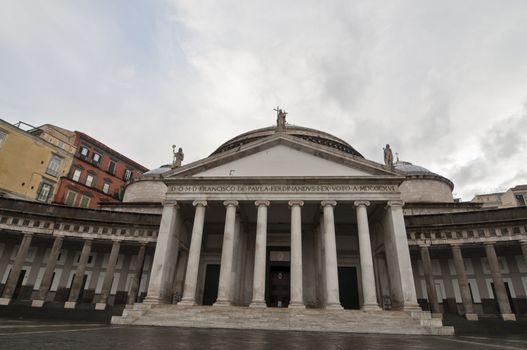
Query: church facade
x=283 y=227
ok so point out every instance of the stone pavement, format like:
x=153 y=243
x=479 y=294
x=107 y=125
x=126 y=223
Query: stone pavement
x=18 y=334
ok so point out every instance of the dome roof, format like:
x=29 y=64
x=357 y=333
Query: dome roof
x=416 y=171
x=157 y=171
x=312 y=135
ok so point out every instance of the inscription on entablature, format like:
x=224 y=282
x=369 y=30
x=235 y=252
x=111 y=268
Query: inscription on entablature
x=282 y=188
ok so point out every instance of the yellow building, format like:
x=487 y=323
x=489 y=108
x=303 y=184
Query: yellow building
x=32 y=161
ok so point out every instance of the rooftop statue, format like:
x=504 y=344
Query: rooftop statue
x=388 y=156
x=178 y=157
x=280 y=119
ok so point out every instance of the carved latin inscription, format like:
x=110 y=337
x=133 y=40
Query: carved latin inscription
x=282 y=188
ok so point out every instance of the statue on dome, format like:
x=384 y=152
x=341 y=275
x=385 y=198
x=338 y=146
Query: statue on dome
x=388 y=156
x=280 y=119
x=178 y=157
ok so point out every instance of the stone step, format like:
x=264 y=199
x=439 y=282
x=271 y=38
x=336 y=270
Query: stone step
x=355 y=321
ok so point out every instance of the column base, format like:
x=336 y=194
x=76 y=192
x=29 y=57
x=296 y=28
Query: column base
x=70 y=304
x=100 y=306
x=187 y=302
x=437 y=315
x=296 y=305
x=508 y=317
x=5 y=301
x=221 y=303
x=153 y=300
x=471 y=317
x=259 y=303
x=37 y=303
x=414 y=307
x=370 y=307
x=333 y=306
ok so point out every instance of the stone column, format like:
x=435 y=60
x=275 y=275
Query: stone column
x=260 y=255
x=165 y=256
x=48 y=273
x=398 y=254
x=108 y=278
x=330 y=263
x=523 y=244
x=12 y=280
x=179 y=279
x=463 y=283
x=297 y=291
x=191 y=276
x=136 y=279
x=429 y=279
x=369 y=291
x=227 y=253
x=499 y=285
x=76 y=285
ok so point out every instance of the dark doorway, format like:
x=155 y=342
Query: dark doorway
x=279 y=286
x=509 y=296
x=18 y=286
x=212 y=279
x=348 y=287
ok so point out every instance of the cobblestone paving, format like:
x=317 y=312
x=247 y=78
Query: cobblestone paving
x=16 y=335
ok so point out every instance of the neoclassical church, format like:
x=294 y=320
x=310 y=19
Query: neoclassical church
x=283 y=227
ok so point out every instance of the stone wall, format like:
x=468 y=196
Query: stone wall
x=145 y=191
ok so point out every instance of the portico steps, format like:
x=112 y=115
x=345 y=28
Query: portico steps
x=347 y=321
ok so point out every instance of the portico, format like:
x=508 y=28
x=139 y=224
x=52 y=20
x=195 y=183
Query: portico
x=320 y=226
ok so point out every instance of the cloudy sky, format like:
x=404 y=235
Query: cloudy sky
x=444 y=82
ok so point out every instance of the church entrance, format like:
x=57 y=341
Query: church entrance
x=212 y=280
x=278 y=277
x=348 y=287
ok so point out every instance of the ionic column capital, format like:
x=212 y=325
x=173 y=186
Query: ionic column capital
x=396 y=203
x=231 y=203
x=489 y=243
x=262 y=203
x=361 y=203
x=296 y=203
x=199 y=203
x=328 y=203
x=455 y=245
x=523 y=241
x=28 y=234
x=170 y=203
x=424 y=245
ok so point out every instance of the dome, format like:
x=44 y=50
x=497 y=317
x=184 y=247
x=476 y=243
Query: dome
x=423 y=185
x=312 y=135
x=157 y=171
x=411 y=169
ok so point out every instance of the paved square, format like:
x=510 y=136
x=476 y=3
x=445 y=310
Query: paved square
x=54 y=335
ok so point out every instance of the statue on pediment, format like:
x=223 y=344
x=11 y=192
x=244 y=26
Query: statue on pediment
x=388 y=156
x=280 y=119
x=178 y=157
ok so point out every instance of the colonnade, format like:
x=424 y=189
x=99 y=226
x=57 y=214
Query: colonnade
x=457 y=256
x=159 y=287
x=77 y=283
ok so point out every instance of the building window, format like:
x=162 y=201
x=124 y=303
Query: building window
x=111 y=167
x=106 y=187
x=127 y=174
x=85 y=201
x=84 y=152
x=54 y=166
x=520 y=199
x=70 y=198
x=89 y=180
x=96 y=158
x=76 y=175
x=2 y=137
x=44 y=192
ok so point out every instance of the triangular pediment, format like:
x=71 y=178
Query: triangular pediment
x=282 y=156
